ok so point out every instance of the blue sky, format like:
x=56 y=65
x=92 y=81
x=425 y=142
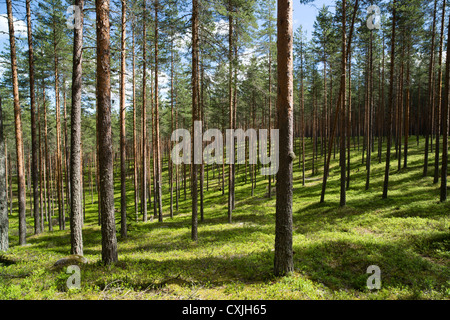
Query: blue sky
x=303 y=14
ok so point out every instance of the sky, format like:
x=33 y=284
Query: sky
x=302 y=15
x=305 y=15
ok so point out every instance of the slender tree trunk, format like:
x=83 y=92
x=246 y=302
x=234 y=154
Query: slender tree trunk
x=202 y=118
x=369 y=106
x=76 y=235
x=144 y=120
x=253 y=167
x=123 y=169
x=418 y=116
x=407 y=113
x=152 y=164
x=349 y=115
x=177 y=190
x=97 y=167
x=47 y=162
x=314 y=130
x=66 y=150
x=230 y=104
x=58 y=165
x=194 y=169
x=34 y=145
x=400 y=107
x=342 y=114
x=41 y=173
x=439 y=104
x=302 y=110
x=135 y=154
x=18 y=129
x=444 y=121
x=171 y=124
x=284 y=262
x=391 y=104
x=270 y=94
x=7 y=175
x=83 y=191
x=4 y=223
x=382 y=108
x=157 y=191
x=109 y=241
x=430 y=107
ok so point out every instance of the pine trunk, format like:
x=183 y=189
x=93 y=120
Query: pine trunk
x=4 y=224
x=391 y=105
x=194 y=169
x=123 y=181
x=18 y=129
x=284 y=262
x=108 y=227
x=76 y=235
x=429 y=120
x=444 y=121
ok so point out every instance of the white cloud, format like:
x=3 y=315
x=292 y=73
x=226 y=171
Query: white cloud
x=221 y=27
x=182 y=40
x=20 y=27
x=20 y=30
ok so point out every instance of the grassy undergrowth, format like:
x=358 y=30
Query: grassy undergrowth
x=406 y=235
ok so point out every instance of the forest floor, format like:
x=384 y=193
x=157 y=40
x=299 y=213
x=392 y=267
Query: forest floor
x=406 y=235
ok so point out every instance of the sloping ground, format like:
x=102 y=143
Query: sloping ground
x=407 y=236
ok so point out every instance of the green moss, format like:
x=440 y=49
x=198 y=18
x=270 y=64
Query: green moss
x=406 y=235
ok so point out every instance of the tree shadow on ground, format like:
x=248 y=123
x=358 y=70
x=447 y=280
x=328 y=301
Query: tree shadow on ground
x=342 y=265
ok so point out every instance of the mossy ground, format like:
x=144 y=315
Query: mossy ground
x=406 y=235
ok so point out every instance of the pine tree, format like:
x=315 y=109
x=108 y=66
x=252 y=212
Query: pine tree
x=391 y=103
x=18 y=129
x=34 y=145
x=4 y=223
x=445 y=125
x=76 y=235
x=194 y=168
x=284 y=262
x=123 y=190
x=109 y=241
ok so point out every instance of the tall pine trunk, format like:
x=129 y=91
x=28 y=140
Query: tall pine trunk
x=343 y=103
x=439 y=104
x=135 y=153
x=230 y=104
x=284 y=262
x=444 y=121
x=76 y=216
x=194 y=169
x=428 y=125
x=157 y=191
x=144 y=121
x=47 y=161
x=4 y=223
x=18 y=129
x=34 y=142
x=109 y=241
x=391 y=105
x=123 y=181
